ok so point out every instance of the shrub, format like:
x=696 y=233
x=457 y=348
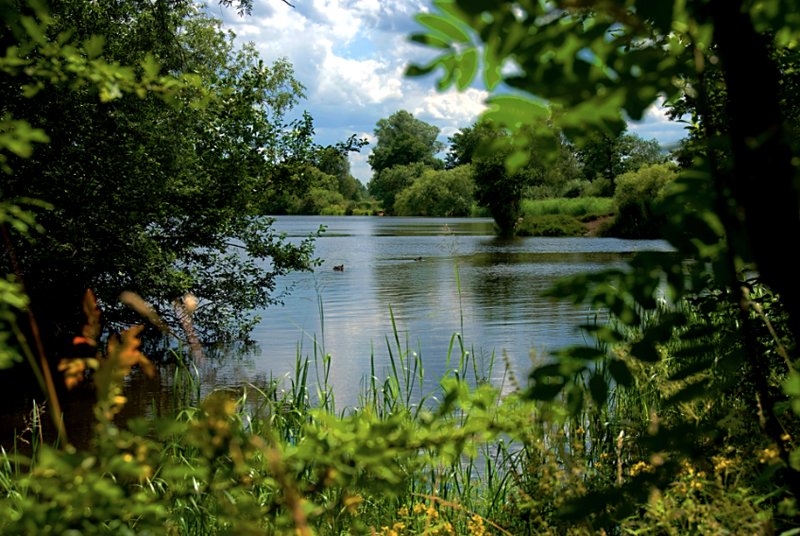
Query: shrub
x=438 y=193
x=636 y=196
x=600 y=187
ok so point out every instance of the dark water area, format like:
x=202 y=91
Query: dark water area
x=435 y=277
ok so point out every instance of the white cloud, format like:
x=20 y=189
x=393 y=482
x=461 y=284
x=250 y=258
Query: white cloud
x=657 y=124
x=453 y=108
x=357 y=82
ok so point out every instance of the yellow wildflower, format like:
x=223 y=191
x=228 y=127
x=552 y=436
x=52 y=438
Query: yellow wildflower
x=768 y=454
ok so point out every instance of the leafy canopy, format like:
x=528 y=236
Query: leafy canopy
x=158 y=141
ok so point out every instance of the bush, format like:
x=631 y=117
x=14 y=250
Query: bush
x=636 y=196
x=600 y=187
x=438 y=193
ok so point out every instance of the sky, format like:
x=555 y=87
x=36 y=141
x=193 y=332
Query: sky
x=351 y=56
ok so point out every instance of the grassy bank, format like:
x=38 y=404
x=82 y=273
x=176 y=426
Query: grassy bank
x=580 y=216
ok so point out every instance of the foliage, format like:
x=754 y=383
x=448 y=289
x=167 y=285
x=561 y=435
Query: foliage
x=585 y=67
x=550 y=225
x=465 y=144
x=462 y=460
x=500 y=190
x=578 y=207
x=606 y=157
x=404 y=140
x=388 y=183
x=637 y=196
x=438 y=193
x=134 y=206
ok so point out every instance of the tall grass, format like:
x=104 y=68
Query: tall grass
x=576 y=207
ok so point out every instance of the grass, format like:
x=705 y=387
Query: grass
x=578 y=207
x=562 y=216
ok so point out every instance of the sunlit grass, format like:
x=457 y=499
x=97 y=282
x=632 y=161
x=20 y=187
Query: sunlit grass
x=577 y=207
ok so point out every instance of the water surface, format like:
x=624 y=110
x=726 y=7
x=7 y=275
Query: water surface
x=435 y=277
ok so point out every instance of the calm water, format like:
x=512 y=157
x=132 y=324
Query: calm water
x=437 y=277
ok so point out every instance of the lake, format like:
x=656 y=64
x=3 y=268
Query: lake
x=436 y=277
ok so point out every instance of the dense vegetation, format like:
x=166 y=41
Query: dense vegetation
x=682 y=415
x=476 y=181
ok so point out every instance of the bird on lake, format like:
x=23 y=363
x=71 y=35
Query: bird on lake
x=338 y=268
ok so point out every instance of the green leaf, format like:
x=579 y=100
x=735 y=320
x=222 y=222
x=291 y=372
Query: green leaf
x=603 y=333
x=620 y=372
x=794 y=461
x=448 y=62
x=549 y=380
x=791 y=386
x=645 y=351
x=586 y=353
x=574 y=400
x=94 y=46
x=467 y=67
x=417 y=70
x=514 y=111
x=445 y=26
x=430 y=40
x=599 y=388
x=689 y=393
x=491 y=69
x=151 y=66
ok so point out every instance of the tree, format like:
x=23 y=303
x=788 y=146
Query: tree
x=486 y=147
x=152 y=196
x=388 y=183
x=636 y=196
x=439 y=193
x=404 y=140
x=605 y=156
x=333 y=161
x=465 y=143
x=498 y=189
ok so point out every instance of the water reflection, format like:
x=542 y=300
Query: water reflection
x=438 y=277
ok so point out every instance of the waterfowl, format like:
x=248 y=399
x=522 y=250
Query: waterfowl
x=338 y=268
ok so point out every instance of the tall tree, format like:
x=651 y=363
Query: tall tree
x=388 y=183
x=498 y=188
x=402 y=140
x=607 y=156
x=151 y=196
x=464 y=144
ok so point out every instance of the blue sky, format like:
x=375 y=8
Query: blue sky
x=351 y=56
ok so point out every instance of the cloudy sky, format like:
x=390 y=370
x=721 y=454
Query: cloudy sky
x=351 y=56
